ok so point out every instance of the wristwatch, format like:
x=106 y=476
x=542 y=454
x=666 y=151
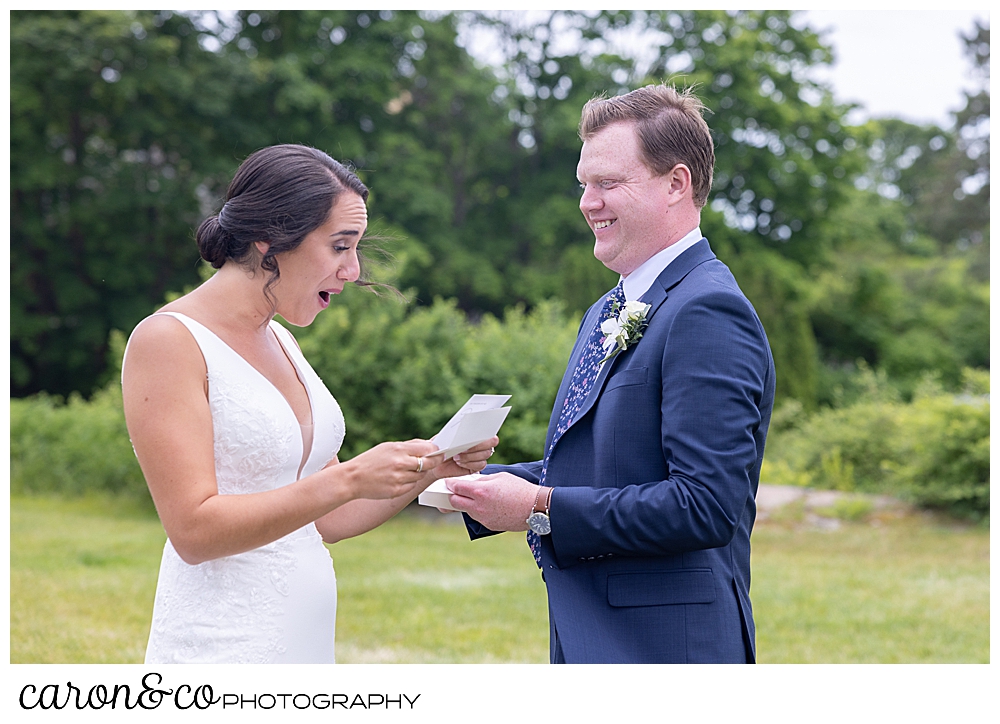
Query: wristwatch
x=539 y=521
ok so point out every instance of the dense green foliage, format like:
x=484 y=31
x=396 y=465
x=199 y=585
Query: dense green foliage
x=862 y=247
x=397 y=372
x=126 y=126
x=400 y=372
x=73 y=447
x=933 y=451
x=896 y=305
x=115 y=127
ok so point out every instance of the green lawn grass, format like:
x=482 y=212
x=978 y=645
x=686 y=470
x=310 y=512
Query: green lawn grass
x=83 y=576
x=82 y=579
x=914 y=590
x=417 y=590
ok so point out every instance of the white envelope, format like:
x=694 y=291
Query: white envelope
x=436 y=494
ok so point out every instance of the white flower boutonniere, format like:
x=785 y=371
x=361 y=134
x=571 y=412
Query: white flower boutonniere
x=624 y=328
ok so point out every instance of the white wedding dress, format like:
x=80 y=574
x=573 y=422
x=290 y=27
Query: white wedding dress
x=277 y=603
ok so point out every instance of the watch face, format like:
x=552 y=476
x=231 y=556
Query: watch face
x=539 y=523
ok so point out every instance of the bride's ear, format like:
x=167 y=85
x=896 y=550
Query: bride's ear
x=262 y=247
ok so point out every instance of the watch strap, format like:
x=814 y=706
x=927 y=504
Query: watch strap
x=542 y=504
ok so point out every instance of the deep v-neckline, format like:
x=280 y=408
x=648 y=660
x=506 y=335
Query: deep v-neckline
x=298 y=374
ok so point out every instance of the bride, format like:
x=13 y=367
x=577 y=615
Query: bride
x=238 y=437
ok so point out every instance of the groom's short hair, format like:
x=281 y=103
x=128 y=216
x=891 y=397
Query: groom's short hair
x=670 y=126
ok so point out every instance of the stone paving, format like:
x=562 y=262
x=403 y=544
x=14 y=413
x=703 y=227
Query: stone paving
x=822 y=508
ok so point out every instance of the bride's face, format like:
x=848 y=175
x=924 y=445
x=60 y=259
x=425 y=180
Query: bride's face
x=325 y=261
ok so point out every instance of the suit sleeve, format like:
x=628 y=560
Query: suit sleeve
x=715 y=370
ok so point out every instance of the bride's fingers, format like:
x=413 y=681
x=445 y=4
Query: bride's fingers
x=413 y=458
x=471 y=458
x=472 y=465
x=418 y=448
x=484 y=447
x=479 y=453
x=401 y=463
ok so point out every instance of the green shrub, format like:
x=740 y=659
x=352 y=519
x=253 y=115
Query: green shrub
x=946 y=455
x=525 y=356
x=400 y=372
x=933 y=451
x=778 y=471
x=842 y=449
x=73 y=447
x=397 y=371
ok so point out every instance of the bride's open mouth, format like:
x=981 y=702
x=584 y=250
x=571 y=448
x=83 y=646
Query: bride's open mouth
x=325 y=296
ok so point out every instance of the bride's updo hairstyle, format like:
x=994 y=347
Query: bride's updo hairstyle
x=279 y=195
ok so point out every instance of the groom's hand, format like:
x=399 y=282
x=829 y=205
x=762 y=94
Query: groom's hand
x=500 y=502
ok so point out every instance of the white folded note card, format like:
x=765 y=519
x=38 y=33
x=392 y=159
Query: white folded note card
x=436 y=495
x=477 y=421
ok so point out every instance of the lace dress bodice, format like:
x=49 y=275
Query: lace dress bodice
x=276 y=603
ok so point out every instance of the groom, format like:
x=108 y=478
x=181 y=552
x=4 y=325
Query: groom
x=640 y=512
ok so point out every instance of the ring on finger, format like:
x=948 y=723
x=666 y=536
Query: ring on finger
x=420 y=465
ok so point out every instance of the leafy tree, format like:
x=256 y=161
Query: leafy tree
x=889 y=300
x=113 y=121
x=126 y=127
x=973 y=125
x=783 y=154
x=906 y=290
x=942 y=176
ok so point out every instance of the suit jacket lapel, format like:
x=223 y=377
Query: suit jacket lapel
x=681 y=267
x=586 y=326
x=654 y=296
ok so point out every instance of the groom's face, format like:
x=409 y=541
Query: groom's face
x=624 y=203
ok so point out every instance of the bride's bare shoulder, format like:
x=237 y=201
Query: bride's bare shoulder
x=161 y=344
x=156 y=328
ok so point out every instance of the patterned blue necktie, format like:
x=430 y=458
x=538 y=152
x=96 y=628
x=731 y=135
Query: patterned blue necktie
x=586 y=372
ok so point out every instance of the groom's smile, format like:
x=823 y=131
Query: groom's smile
x=623 y=201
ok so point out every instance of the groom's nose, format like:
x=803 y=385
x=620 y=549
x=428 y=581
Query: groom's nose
x=590 y=200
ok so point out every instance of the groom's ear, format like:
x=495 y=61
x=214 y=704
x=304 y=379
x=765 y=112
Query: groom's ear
x=678 y=181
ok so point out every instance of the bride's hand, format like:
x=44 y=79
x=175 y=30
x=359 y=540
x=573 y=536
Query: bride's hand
x=392 y=469
x=470 y=461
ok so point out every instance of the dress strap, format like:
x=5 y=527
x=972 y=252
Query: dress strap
x=211 y=345
x=202 y=335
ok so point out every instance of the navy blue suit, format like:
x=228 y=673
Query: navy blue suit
x=654 y=482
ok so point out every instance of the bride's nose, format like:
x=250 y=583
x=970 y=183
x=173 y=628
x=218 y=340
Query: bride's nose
x=351 y=268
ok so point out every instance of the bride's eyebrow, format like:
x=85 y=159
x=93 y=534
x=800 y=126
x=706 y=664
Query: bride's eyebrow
x=346 y=232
